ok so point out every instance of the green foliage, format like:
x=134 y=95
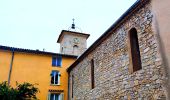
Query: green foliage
x=21 y=92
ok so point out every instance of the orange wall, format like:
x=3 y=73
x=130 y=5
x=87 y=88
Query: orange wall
x=5 y=59
x=34 y=68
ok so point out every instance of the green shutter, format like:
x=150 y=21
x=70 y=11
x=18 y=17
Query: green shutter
x=62 y=96
x=59 y=60
x=48 y=97
x=54 y=61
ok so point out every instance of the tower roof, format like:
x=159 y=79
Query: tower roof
x=63 y=32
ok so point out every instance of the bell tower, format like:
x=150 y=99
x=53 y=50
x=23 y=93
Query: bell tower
x=72 y=42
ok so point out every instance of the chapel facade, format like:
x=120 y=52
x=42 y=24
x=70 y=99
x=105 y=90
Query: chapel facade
x=130 y=60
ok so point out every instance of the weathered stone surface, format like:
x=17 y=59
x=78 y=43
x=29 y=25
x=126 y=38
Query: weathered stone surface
x=113 y=80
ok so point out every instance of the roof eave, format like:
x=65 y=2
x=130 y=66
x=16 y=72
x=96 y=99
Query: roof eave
x=21 y=50
x=62 y=33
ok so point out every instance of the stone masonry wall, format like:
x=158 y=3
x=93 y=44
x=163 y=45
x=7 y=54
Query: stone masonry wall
x=68 y=43
x=113 y=80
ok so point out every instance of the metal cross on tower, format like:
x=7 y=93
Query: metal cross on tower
x=73 y=25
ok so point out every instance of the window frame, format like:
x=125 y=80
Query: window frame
x=54 y=80
x=56 y=61
x=60 y=95
x=132 y=62
x=55 y=95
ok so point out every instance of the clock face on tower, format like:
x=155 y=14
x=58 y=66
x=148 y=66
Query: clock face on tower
x=76 y=40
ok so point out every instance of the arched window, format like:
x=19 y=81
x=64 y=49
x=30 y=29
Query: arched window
x=134 y=48
x=75 y=49
x=62 y=50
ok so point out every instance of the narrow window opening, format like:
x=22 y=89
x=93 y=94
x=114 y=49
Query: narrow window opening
x=72 y=86
x=135 y=52
x=62 y=50
x=92 y=74
x=75 y=49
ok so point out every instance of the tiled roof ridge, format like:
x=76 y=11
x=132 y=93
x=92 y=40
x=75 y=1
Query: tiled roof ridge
x=16 y=49
x=9 y=47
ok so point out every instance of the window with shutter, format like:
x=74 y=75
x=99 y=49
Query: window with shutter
x=55 y=77
x=57 y=61
x=54 y=96
x=54 y=61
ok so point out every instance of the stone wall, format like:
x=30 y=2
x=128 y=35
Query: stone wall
x=113 y=79
x=67 y=44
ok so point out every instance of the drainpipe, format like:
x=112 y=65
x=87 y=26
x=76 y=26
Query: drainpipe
x=10 y=69
x=68 y=92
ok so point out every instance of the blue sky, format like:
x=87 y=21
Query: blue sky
x=36 y=24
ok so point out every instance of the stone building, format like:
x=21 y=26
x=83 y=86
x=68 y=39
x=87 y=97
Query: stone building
x=130 y=60
x=72 y=42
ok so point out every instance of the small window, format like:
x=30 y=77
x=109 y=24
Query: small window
x=56 y=61
x=62 y=49
x=72 y=86
x=135 y=52
x=75 y=49
x=55 y=96
x=55 y=77
x=92 y=74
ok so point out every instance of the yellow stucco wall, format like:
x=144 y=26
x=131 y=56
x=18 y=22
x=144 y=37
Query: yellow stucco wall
x=5 y=58
x=34 y=68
